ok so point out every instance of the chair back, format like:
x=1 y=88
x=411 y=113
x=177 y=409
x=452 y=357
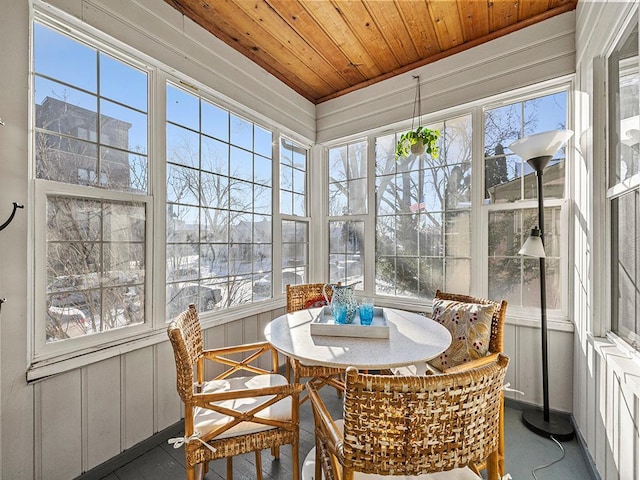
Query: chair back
x=186 y=339
x=306 y=295
x=496 y=341
x=396 y=425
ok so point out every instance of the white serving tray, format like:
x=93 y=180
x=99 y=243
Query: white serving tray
x=324 y=324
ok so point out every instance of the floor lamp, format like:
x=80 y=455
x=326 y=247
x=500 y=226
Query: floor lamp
x=537 y=150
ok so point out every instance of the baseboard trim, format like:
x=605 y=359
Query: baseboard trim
x=132 y=453
x=593 y=471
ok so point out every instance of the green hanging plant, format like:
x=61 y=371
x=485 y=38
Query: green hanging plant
x=418 y=141
x=421 y=139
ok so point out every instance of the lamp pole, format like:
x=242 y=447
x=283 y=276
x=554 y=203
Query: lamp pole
x=538 y=164
x=546 y=425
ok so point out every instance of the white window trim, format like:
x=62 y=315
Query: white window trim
x=521 y=316
x=43 y=353
x=602 y=320
x=81 y=351
x=49 y=358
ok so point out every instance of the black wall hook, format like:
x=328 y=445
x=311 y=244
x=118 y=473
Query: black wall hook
x=15 y=207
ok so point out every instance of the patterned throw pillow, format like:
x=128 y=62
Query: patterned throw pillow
x=314 y=302
x=470 y=327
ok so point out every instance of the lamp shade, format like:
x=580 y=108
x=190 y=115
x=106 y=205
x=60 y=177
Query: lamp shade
x=533 y=247
x=541 y=144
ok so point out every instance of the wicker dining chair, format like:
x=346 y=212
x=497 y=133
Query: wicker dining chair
x=244 y=409
x=301 y=297
x=496 y=347
x=411 y=425
x=495 y=332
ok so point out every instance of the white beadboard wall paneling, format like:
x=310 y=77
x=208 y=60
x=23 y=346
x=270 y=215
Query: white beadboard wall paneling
x=595 y=412
x=540 y=52
x=529 y=364
x=627 y=406
x=262 y=321
x=58 y=435
x=215 y=337
x=17 y=399
x=137 y=396
x=606 y=385
x=156 y=29
x=251 y=332
x=509 y=339
x=560 y=370
x=102 y=411
x=167 y=401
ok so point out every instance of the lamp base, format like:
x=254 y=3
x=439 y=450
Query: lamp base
x=558 y=425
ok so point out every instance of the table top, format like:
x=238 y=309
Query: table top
x=413 y=338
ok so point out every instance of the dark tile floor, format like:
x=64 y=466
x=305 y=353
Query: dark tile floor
x=524 y=452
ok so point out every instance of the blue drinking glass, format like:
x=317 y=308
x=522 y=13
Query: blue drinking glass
x=340 y=313
x=366 y=311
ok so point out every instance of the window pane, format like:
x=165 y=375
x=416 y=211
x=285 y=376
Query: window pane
x=61 y=57
x=508 y=178
x=519 y=280
x=295 y=252
x=215 y=121
x=625 y=106
x=183 y=146
x=95 y=266
x=215 y=156
x=263 y=141
x=123 y=83
x=346 y=249
x=90 y=130
x=123 y=127
x=348 y=179
x=293 y=172
x=293 y=195
x=626 y=266
x=241 y=133
x=182 y=108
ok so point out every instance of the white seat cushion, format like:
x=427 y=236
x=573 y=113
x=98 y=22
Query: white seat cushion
x=205 y=420
x=415 y=370
x=309 y=471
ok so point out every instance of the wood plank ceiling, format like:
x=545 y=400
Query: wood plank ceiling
x=325 y=48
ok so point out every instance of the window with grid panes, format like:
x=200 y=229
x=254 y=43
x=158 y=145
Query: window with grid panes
x=219 y=204
x=423 y=213
x=293 y=207
x=347 y=195
x=624 y=185
x=510 y=195
x=90 y=117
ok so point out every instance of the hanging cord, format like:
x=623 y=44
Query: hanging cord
x=533 y=472
x=417 y=102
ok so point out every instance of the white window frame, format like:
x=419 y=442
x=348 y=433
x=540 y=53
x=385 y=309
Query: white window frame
x=306 y=219
x=368 y=219
x=58 y=357
x=525 y=314
x=603 y=324
x=54 y=357
x=479 y=212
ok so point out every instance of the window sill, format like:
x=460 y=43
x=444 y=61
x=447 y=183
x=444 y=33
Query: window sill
x=620 y=358
x=46 y=368
x=515 y=316
x=554 y=323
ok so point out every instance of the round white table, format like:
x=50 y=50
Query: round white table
x=413 y=338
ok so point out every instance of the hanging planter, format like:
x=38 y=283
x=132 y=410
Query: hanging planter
x=418 y=140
